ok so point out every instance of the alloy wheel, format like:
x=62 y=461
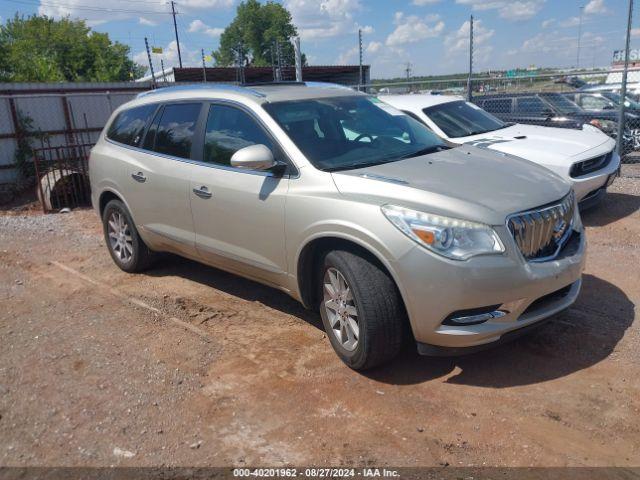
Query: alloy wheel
x=120 y=236
x=340 y=309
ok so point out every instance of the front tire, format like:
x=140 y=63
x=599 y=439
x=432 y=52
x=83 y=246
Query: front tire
x=127 y=249
x=361 y=310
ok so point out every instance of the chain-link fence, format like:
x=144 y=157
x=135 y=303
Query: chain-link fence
x=557 y=100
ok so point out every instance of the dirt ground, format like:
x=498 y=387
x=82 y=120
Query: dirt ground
x=186 y=365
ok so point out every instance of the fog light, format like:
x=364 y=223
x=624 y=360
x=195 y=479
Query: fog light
x=473 y=317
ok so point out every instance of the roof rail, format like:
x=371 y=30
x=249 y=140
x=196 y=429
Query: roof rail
x=203 y=86
x=327 y=85
x=292 y=83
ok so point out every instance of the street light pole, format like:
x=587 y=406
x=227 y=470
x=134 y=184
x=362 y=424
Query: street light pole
x=579 y=36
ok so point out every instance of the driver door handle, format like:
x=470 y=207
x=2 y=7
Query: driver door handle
x=202 y=192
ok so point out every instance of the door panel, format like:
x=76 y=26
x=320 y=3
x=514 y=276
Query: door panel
x=241 y=225
x=160 y=203
x=238 y=214
x=158 y=179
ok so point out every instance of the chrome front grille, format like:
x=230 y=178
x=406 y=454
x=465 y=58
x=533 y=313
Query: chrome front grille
x=541 y=233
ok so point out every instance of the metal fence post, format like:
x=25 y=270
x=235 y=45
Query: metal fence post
x=623 y=88
x=469 y=92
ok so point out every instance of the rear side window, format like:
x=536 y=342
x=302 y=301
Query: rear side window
x=175 y=131
x=502 y=105
x=128 y=125
x=228 y=130
x=150 y=138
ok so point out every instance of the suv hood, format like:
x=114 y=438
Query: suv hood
x=544 y=145
x=465 y=182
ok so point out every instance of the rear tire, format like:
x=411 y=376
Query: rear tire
x=361 y=310
x=127 y=249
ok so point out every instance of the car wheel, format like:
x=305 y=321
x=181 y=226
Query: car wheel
x=361 y=310
x=126 y=247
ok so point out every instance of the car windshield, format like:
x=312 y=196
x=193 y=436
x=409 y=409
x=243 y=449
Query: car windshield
x=597 y=101
x=461 y=119
x=615 y=98
x=562 y=104
x=355 y=131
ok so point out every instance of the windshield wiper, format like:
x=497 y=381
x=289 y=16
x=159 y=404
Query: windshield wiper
x=426 y=151
x=353 y=166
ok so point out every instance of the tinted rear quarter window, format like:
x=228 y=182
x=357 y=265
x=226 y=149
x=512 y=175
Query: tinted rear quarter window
x=175 y=131
x=129 y=125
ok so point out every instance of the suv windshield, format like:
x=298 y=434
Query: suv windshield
x=340 y=133
x=461 y=119
x=562 y=104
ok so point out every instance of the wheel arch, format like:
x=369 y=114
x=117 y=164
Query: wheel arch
x=314 y=250
x=105 y=197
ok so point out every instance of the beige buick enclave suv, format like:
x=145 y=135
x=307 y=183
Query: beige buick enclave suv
x=346 y=204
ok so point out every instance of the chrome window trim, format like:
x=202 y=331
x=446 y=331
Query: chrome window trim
x=197 y=162
x=207 y=102
x=561 y=243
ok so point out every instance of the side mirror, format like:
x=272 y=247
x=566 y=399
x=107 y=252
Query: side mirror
x=253 y=157
x=548 y=113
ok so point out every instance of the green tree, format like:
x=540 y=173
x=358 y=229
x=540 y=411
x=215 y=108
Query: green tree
x=256 y=28
x=41 y=49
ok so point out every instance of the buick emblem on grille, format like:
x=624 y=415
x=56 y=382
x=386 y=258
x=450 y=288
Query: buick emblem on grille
x=559 y=228
x=541 y=233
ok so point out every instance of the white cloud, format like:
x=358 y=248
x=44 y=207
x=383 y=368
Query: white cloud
x=561 y=46
x=169 y=57
x=373 y=47
x=412 y=28
x=594 y=7
x=348 y=56
x=422 y=3
x=198 y=26
x=457 y=42
x=509 y=10
x=147 y=22
x=570 y=22
x=351 y=55
x=324 y=18
x=96 y=12
x=367 y=30
x=547 y=23
x=195 y=4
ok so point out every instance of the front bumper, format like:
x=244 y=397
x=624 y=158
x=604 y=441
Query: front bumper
x=435 y=288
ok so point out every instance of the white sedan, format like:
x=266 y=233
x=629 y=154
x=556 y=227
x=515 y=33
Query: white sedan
x=586 y=157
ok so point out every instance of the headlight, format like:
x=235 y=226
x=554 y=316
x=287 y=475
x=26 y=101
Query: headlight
x=604 y=125
x=449 y=237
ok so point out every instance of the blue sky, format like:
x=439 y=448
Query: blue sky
x=430 y=34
